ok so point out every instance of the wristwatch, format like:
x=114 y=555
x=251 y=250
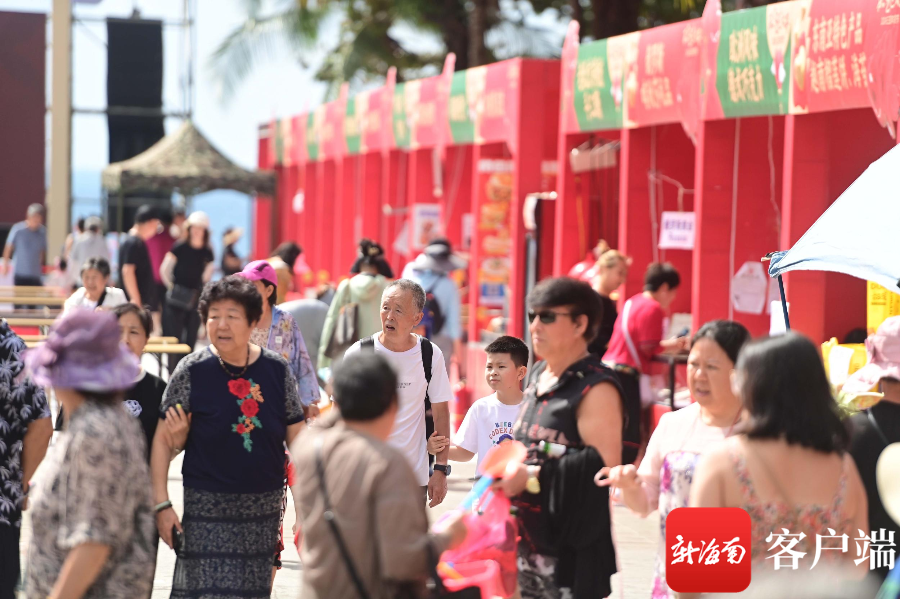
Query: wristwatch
x=445 y=469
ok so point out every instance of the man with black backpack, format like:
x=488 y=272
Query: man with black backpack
x=421 y=377
x=441 y=322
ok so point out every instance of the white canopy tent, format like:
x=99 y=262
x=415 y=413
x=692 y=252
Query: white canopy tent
x=858 y=235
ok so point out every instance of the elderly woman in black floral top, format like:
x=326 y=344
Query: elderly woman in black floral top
x=242 y=406
x=92 y=518
x=575 y=402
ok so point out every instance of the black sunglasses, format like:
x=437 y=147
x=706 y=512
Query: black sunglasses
x=548 y=317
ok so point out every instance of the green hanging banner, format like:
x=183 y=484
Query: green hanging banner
x=401 y=123
x=597 y=104
x=753 y=74
x=352 y=132
x=462 y=126
x=312 y=135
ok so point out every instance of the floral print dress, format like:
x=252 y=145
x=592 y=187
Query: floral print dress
x=283 y=337
x=94 y=487
x=21 y=403
x=667 y=472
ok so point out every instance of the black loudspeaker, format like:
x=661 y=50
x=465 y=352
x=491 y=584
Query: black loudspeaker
x=133 y=80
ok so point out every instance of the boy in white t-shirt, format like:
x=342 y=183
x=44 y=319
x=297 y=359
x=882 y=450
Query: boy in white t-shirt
x=490 y=420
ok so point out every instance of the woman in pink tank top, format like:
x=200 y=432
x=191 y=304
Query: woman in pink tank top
x=788 y=467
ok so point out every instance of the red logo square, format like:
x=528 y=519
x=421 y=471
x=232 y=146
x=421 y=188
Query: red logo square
x=708 y=550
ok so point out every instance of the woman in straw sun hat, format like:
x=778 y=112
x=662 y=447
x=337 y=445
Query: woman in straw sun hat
x=93 y=530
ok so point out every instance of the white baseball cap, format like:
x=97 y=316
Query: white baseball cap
x=198 y=218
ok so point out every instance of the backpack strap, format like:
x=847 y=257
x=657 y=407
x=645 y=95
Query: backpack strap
x=367 y=344
x=427 y=356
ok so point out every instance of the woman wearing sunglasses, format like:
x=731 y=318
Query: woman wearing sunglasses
x=571 y=423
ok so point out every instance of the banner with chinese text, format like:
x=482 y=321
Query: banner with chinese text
x=597 y=104
x=483 y=102
x=753 y=64
x=829 y=58
x=881 y=43
x=659 y=65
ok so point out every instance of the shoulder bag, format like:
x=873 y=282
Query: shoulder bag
x=182 y=298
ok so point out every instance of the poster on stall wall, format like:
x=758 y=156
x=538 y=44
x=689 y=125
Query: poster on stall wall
x=749 y=289
x=426 y=225
x=495 y=191
x=677 y=231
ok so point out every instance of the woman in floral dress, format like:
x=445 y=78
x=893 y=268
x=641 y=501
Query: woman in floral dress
x=789 y=468
x=242 y=406
x=91 y=510
x=663 y=480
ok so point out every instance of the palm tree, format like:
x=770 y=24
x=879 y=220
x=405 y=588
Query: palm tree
x=477 y=32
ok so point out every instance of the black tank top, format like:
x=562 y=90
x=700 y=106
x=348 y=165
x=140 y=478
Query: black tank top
x=553 y=417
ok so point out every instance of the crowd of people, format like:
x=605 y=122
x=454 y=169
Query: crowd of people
x=763 y=432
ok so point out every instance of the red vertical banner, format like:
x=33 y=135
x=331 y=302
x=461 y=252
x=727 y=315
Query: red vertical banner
x=710 y=105
x=568 y=121
x=500 y=118
x=495 y=189
x=881 y=42
x=688 y=86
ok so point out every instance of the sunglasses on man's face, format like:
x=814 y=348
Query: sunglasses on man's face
x=547 y=317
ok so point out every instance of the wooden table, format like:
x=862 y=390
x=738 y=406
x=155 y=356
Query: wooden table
x=33 y=300
x=151 y=340
x=148 y=349
x=32 y=290
x=43 y=322
x=157 y=350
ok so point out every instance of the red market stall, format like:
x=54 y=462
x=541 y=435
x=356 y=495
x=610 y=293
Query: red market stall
x=627 y=97
x=707 y=143
x=477 y=143
x=786 y=126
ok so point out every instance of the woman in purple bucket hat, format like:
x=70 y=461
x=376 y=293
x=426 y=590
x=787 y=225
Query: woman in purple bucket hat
x=94 y=534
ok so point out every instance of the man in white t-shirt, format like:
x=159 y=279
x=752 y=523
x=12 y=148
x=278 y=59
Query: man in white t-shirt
x=402 y=304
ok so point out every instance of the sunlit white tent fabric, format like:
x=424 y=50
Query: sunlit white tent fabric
x=859 y=234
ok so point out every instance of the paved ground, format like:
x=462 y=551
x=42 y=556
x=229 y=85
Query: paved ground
x=635 y=542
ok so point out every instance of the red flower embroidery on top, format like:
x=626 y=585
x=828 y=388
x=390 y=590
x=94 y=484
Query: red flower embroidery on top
x=249 y=397
x=239 y=387
x=250 y=407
